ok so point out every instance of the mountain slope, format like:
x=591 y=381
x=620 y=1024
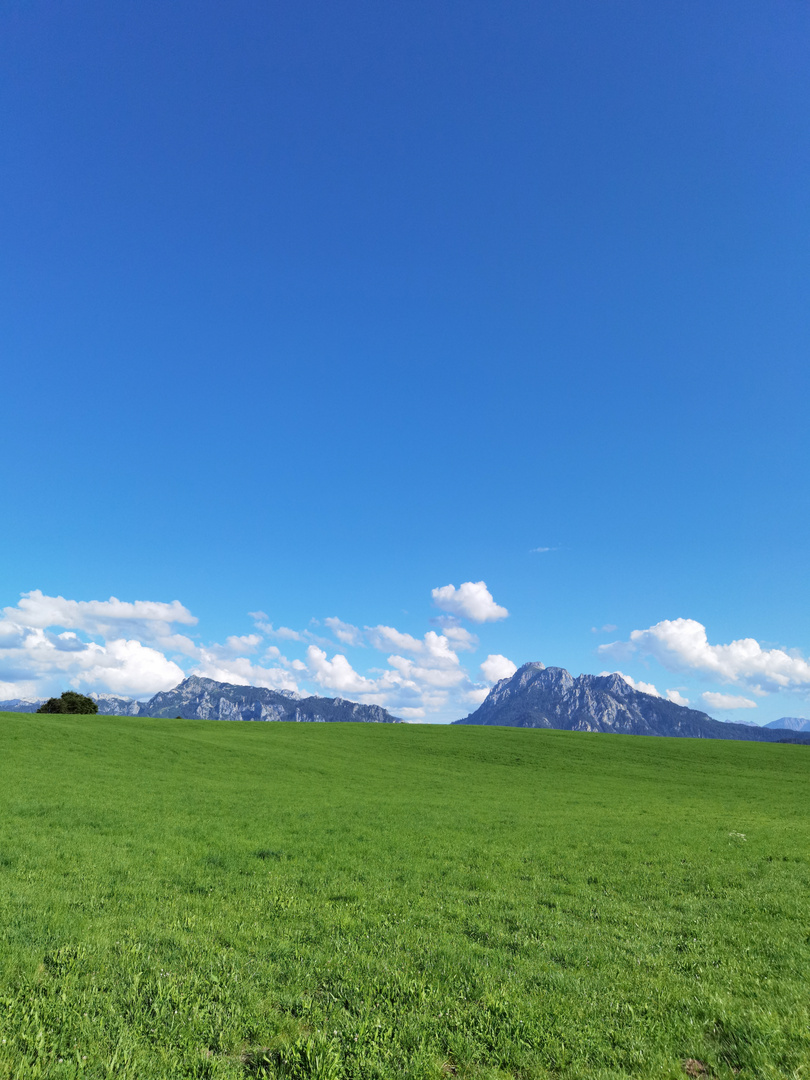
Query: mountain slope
x=537 y=696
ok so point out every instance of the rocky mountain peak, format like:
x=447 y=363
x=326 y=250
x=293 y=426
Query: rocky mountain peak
x=549 y=697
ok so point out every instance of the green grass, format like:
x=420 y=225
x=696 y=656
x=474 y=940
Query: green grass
x=201 y=899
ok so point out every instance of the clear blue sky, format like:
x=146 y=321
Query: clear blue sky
x=309 y=309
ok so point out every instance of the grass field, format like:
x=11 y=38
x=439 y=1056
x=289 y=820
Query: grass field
x=202 y=899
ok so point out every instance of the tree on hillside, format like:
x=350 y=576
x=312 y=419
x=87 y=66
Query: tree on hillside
x=69 y=702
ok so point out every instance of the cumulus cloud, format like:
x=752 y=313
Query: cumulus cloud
x=471 y=600
x=337 y=673
x=477 y=695
x=24 y=689
x=282 y=633
x=411 y=713
x=727 y=701
x=683 y=645
x=677 y=697
x=129 y=668
x=148 y=621
x=41 y=650
x=241 y=671
x=420 y=675
x=344 y=632
x=41 y=659
x=234 y=645
x=35 y=609
x=459 y=637
x=434 y=649
x=387 y=637
x=122 y=666
x=642 y=687
x=497 y=667
x=441 y=675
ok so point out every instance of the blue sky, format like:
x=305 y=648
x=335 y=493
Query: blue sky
x=310 y=310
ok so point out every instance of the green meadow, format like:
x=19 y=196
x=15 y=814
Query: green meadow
x=185 y=898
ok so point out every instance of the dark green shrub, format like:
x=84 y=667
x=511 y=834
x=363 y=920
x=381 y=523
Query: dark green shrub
x=69 y=702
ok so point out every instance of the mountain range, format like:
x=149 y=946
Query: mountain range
x=791 y=723
x=18 y=704
x=549 y=697
x=206 y=699
x=535 y=696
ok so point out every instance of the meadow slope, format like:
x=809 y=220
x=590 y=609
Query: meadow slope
x=211 y=900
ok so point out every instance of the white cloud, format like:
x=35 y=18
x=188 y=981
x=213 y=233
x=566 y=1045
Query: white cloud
x=477 y=695
x=35 y=609
x=422 y=679
x=606 y=629
x=461 y=639
x=727 y=701
x=344 y=632
x=440 y=676
x=434 y=649
x=471 y=600
x=411 y=686
x=235 y=645
x=642 y=687
x=337 y=673
x=129 y=660
x=240 y=671
x=541 y=550
x=128 y=668
x=387 y=637
x=25 y=689
x=682 y=645
x=437 y=649
x=677 y=697
x=147 y=621
x=282 y=633
x=123 y=666
x=412 y=714
x=497 y=667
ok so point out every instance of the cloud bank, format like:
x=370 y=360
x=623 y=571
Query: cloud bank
x=40 y=645
x=727 y=701
x=134 y=649
x=682 y=645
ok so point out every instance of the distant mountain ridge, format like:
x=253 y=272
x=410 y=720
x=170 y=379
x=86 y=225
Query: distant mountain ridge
x=540 y=697
x=206 y=699
x=110 y=705
x=18 y=704
x=535 y=696
x=790 y=723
